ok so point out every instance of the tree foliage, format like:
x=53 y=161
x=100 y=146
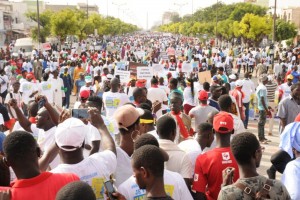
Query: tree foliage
x=285 y=30
x=75 y=22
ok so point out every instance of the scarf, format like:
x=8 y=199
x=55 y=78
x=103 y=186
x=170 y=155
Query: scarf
x=183 y=131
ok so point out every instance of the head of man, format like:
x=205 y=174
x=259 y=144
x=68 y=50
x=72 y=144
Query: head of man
x=295 y=89
x=105 y=70
x=221 y=70
x=215 y=91
x=263 y=79
x=246 y=75
x=95 y=102
x=203 y=97
x=295 y=68
x=139 y=95
x=43 y=119
x=21 y=152
x=55 y=73
x=223 y=128
x=16 y=86
x=166 y=127
x=173 y=83
x=176 y=100
x=66 y=70
x=206 y=86
x=115 y=85
x=76 y=191
x=81 y=76
x=132 y=82
x=161 y=81
x=246 y=150
x=154 y=81
x=29 y=77
x=128 y=121
x=146 y=122
x=290 y=79
x=225 y=103
x=88 y=81
x=205 y=135
x=148 y=165
x=210 y=116
x=69 y=137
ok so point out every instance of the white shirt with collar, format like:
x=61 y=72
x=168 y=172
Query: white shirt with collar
x=178 y=159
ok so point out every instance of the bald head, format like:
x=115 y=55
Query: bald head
x=210 y=116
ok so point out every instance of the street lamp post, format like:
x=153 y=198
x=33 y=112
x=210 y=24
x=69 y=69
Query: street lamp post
x=87 y=8
x=274 y=22
x=217 y=23
x=180 y=5
x=119 y=6
x=38 y=22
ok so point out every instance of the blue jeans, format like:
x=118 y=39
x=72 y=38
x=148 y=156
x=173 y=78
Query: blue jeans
x=246 y=114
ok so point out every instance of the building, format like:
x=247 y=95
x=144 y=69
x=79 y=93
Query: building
x=292 y=15
x=79 y=6
x=167 y=17
x=264 y=3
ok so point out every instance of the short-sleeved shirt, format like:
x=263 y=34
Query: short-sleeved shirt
x=288 y=109
x=214 y=104
x=201 y=112
x=208 y=171
x=291 y=178
x=271 y=88
x=94 y=170
x=44 y=186
x=112 y=101
x=278 y=191
x=261 y=91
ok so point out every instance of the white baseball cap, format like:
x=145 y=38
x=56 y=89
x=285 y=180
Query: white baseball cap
x=70 y=133
x=239 y=83
x=232 y=76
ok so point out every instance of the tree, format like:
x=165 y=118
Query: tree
x=45 y=24
x=63 y=24
x=225 y=29
x=241 y=9
x=253 y=28
x=285 y=30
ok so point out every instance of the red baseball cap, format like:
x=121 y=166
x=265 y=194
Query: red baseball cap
x=202 y=95
x=84 y=94
x=223 y=122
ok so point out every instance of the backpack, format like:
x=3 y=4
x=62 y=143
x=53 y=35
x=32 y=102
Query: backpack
x=263 y=193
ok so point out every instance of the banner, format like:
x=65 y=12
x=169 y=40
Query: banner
x=139 y=54
x=187 y=67
x=204 y=77
x=132 y=68
x=144 y=73
x=124 y=75
x=121 y=66
x=158 y=69
x=46 y=46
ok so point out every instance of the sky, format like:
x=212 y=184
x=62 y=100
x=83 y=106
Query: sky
x=136 y=11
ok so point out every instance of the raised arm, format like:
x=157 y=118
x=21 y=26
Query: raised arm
x=107 y=142
x=24 y=122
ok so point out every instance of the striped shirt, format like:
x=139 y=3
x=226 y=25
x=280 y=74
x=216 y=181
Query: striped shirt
x=271 y=88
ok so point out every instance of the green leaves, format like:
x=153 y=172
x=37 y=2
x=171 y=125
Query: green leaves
x=75 y=22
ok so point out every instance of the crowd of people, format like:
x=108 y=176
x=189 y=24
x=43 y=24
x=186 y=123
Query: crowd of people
x=70 y=125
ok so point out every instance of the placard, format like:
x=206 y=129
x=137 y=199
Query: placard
x=158 y=69
x=144 y=73
x=187 y=67
x=139 y=54
x=46 y=46
x=195 y=66
x=121 y=66
x=204 y=77
x=132 y=68
x=124 y=75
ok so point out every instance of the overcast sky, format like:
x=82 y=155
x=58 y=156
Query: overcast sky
x=135 y=11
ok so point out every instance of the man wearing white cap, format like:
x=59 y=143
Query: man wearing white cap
x=238 y=94
x=58 y=87
x=97 y=168
x=232 y=79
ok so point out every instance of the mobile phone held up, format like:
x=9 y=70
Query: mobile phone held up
x=80 y=113
x=110 y=189
x=41 y=103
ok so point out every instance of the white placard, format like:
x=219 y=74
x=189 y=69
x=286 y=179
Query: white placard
x=139 y=54
x=144 y=73
x=158 y=69
x=124 y=75
x=187 y=67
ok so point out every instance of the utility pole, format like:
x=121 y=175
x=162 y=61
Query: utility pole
x=107 y=9
x=87 y=8
x=274 y=22
x=217 y=23
x=147 y=20
x=38 y=22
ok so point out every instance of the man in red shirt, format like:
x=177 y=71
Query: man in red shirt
x=209 y=166
x=21 y=153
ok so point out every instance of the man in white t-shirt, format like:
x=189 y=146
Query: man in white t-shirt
x=88 y=85
x=44 y=129
x=46 y=89
x=28 y=91
x=58 y=87
x=174 y=184
x=95 y=169
x=285 y=88
x=157 y=94
x=15 y=94
x=113 y=99
x=201 y=112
